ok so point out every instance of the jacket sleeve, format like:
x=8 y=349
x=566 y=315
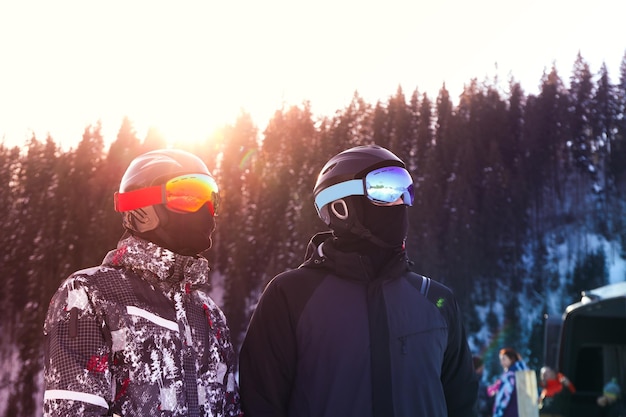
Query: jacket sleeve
x=458 y=378
x=231 y=403
x=268 y=355
x=76 y=356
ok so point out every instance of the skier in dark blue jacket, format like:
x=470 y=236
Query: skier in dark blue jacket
x=352 y=331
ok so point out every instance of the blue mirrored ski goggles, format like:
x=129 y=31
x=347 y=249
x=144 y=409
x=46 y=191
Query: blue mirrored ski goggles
x=383 y=186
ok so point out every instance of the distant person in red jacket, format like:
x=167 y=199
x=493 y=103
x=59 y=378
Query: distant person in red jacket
x=556 y=387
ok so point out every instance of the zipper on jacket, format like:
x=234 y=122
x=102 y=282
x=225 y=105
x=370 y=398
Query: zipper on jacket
x=205 y=354
x=73 y=330
x=403 y=348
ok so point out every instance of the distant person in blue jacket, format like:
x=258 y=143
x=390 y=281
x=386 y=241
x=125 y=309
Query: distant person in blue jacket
x=505 y=402
x=353 y=332
x=611 y=400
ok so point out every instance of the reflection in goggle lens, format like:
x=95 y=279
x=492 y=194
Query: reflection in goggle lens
x=388 y=184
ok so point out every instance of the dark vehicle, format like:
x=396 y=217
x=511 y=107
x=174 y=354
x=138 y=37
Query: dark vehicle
x=590 y=348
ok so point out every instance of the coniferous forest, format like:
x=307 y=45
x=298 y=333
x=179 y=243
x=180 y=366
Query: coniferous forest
x=520 y=205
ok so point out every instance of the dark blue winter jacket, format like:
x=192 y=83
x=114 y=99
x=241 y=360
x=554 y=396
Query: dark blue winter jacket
x=332 y=338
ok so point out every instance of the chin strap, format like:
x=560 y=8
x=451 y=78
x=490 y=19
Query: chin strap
x=361 y=231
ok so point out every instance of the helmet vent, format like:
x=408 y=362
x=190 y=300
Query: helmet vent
x=328 y=169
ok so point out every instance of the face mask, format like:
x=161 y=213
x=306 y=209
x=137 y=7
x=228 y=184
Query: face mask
x=388 y=223
x=184 y=233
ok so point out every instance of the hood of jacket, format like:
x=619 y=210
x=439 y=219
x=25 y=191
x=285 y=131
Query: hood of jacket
x=157 y=265
x=322 y=253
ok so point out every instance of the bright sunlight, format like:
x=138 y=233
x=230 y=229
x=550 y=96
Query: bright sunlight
x=188 y=68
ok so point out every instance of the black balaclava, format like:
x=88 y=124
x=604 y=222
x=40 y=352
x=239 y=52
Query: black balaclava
x=388 y=224
x=184 y=233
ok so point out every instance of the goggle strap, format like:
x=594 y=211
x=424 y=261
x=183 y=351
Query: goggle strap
x=406 y=198
x=143 y=197
x=337 y=191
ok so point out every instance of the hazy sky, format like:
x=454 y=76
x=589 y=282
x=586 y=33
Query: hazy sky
x=187 y=67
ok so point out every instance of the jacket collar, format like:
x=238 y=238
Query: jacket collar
x=321 y=253
x=158 y=265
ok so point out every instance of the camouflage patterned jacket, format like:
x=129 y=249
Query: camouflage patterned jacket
x=138 y=336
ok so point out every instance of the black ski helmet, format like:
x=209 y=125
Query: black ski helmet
x=186 y=233
x=353 y=163
x=156 y=167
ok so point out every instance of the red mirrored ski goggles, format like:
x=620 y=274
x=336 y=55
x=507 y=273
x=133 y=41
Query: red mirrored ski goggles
x=185 y=193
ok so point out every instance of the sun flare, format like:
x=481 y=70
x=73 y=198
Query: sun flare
x=191 y=68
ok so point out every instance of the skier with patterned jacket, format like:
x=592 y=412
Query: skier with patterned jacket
x=139 y=334
x=353 y=332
